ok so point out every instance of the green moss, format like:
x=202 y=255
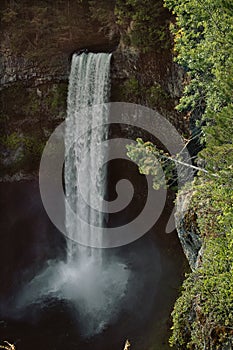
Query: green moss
x=57 y=98
x=131 y=89
x=11 y=141
x=23 y=110
x=154 y=95
x=19 y=101
x=26 y=151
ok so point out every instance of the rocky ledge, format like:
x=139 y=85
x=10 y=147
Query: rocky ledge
x=187 y=228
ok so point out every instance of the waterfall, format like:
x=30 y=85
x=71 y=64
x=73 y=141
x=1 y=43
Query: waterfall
x=94 y=282
x=88 y=87
x=95 y=287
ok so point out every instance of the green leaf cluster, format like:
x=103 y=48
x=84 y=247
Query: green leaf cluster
x=203 y=35
x=153 y=161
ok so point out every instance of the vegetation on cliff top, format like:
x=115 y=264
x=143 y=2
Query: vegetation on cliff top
x=203 y=36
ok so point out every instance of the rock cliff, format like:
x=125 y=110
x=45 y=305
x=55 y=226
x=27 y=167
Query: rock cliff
x=35 y=53
x=187 y=228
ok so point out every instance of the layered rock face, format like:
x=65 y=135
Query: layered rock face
x=35 y=52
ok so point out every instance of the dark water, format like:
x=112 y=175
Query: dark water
x=28 y=240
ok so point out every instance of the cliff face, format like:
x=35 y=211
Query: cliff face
x=187 y=228
x=36 y=48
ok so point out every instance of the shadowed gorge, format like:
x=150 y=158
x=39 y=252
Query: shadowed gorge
x=96 y=293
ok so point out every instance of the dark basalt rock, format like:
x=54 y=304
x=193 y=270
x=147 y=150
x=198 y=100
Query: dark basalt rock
x=187 y=229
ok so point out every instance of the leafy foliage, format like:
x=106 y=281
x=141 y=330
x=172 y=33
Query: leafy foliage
x=203 y=317
x=152 y=161
x=203 y=44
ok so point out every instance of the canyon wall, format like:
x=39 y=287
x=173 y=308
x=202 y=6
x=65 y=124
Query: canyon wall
x=36 y=48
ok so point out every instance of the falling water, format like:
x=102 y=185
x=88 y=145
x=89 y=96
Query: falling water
x=88 y=87
x=94 y=283
x=94 y=286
